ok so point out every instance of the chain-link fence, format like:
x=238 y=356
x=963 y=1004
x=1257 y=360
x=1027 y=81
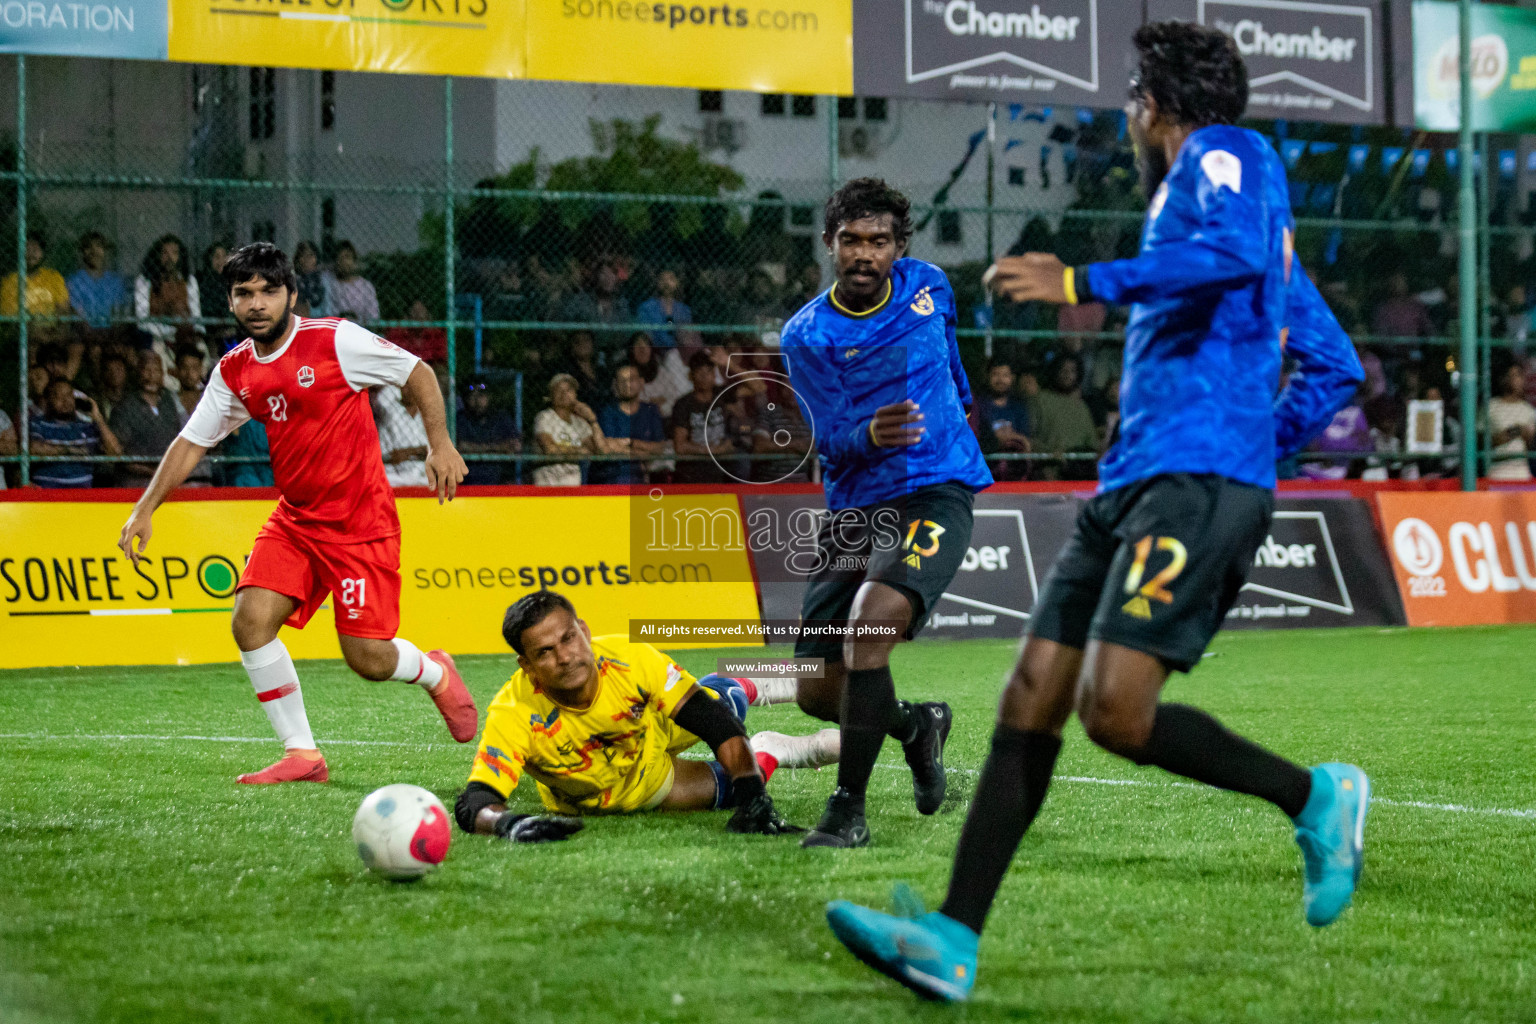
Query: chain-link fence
x=512 y=232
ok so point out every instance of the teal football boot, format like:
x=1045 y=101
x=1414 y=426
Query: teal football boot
x=1331 y=833
x=933 y=955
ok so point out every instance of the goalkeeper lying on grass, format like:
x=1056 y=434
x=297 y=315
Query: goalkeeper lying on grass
x=599 y=723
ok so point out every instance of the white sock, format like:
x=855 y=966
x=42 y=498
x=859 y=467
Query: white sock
x=774 y=690
x=415 y=667
x=813 y=751
x=277 y=687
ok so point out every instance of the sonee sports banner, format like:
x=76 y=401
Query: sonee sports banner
x=69 y=597
x=425 y=37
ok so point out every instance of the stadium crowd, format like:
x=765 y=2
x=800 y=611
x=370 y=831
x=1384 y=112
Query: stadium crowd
x=660 y=373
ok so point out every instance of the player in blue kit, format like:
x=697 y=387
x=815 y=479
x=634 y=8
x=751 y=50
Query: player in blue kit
x=1185 y=498
x=876 y=368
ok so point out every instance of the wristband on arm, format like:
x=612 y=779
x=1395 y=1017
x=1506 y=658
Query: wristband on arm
x=1078 y=289
x=476 y=797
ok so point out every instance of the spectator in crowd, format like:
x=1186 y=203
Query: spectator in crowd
x=700 y=427
x=765 y=307
x=96 y=292
x=190 y=377
x=311 y=282
x=37 y=383
x=631 y=427
x=663 y=375
x=146 y=421
x=780 y=430
x=583 y=363
x=805 y=287
x=720 y=358
x=210 y=281
x=1375 y=372
x=112 y=386
x=402 y=437
x=1008 y=417
x=250 y=441
x=8 y=444
x=1082 y=322
x=666 y=310
x=485 y=430
x=1063 y=423
x=348 y=294
x=508 y=299
x=1511 y=426
x=566 y=427
x=210 y=275
x=426 y=343
x=164 y=290
x=65 y=428
x=58 y=360
x=47 y=294
x=1401 y=314
x=1348 y=433
x=600 y=303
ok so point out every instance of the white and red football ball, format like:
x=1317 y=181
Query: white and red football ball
x=401 y=831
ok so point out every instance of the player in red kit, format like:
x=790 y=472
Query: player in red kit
x=334 y=532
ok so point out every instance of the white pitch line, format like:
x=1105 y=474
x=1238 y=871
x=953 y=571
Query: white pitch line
x=1092 y=780
x=119 y=736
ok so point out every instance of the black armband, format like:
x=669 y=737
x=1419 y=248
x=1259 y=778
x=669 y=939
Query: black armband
x=709 y=720
x=1080 y=285
x=477 y=796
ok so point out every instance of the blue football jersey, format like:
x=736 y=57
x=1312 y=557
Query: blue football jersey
x=844 y=367
x=1214 y=293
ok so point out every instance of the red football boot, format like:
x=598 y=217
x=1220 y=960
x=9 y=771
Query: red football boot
x=452 y=699
x=292 y=768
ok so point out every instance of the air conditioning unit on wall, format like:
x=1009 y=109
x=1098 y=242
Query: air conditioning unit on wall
x=856 y=139
x=724 y=133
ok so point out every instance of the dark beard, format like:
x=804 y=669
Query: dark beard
x=279 y=329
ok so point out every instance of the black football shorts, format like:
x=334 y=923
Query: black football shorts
x=1155 y=566
x=915 y=544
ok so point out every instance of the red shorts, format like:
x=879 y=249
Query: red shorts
x=365 y=578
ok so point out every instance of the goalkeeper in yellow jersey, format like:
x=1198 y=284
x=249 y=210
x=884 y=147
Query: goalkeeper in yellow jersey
x=599 y=721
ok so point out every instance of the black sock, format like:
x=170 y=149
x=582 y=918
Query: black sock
x=1009 y=795
x=903 y=723
x=869 y=713
x=1191 y=743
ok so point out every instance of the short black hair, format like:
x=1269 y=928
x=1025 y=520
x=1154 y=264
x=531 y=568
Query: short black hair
x=51 y=352
x=528 y=612
x=187 y=350
x=344 y=246
x=36 y=235
x=259 y=259
x=92 y=236
x=699 y=359
x=1195 y=73
x=868 y=197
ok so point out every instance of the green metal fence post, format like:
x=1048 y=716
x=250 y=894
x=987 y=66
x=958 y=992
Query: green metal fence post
x=23 y=431
x=1466 y=260
x=1485 y=296
x=452 y=312
x=834 y=173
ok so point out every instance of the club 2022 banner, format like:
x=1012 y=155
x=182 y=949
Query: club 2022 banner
x=1463 y=559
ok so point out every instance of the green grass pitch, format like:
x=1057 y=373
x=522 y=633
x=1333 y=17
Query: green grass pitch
x=138 y=882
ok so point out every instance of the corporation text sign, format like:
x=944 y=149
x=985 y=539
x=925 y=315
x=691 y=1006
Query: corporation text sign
x=1463 y=559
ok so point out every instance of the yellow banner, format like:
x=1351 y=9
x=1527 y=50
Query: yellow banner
x=424 y=37
x=796 y=46
x=69 y=597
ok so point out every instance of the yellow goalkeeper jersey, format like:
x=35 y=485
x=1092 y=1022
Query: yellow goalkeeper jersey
x=611 y=758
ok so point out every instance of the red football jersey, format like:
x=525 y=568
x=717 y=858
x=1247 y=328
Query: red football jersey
x=311 y=396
